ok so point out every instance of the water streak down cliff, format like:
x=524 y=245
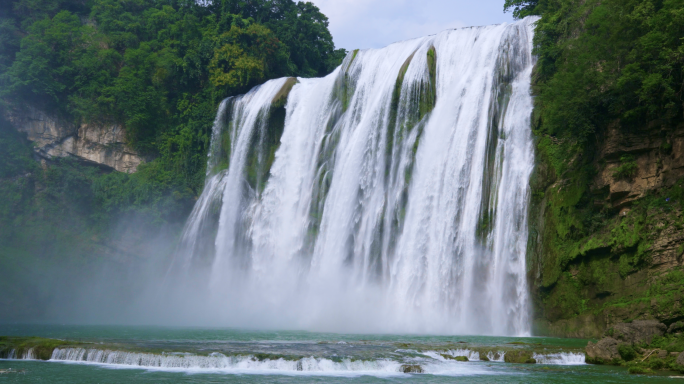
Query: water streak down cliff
x=391 y=195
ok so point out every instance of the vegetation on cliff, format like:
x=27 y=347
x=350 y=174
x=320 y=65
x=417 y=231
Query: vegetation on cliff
x=607 y=192
x=159 y=68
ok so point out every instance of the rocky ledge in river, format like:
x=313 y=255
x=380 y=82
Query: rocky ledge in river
x=643 y=346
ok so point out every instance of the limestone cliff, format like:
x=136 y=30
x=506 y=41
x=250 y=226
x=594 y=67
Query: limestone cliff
x=625 y=269
x=55 y=137
x=658 y=153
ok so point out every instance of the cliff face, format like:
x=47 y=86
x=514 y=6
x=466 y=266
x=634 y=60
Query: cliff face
x=628 y=267
x=54 y=137
x=658 y=153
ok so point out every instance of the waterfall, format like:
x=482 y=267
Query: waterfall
x=390 y=195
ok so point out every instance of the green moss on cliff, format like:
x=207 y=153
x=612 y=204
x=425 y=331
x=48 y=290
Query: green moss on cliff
x=598 y=62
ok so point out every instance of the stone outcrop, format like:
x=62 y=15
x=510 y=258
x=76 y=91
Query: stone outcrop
x=638 y=331
x=411 y=368
x=53 y=137
x=604 y=350
x=519 y=357
x=659 y=158
x=680 y=359
x=677 y=326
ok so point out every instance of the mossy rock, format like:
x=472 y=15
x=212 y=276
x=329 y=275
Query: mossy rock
x=280 y=99
x=42 y=348
x=457 y=358
x=411 y=368
x=519 y=357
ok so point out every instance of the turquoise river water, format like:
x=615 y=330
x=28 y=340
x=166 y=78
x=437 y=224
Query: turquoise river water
x=196 y=355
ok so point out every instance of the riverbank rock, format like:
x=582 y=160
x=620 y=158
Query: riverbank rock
x=411 y=368
x=680 y=359
x=603 y=351
x=519 y=357
x=638 y=331
x=676 y=327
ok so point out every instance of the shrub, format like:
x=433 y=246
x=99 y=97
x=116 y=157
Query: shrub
x=656 y=363
x=627 y=169
x=627 y=352
x=638 y=370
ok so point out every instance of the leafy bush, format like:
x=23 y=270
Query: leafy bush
x=627 y=169
x=627 y=352
x=656 y=363
x=638 y=370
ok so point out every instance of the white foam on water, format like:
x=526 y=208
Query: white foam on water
x=561 y=358
x=498 y=356
x=217 y=362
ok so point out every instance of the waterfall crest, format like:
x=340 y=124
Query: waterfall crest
x=390 y=195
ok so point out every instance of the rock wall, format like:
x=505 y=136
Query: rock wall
x=658 y=153
x=594 y=286
x=54 y=137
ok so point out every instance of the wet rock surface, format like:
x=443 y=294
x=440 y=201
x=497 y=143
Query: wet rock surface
x=411 y=368
x=604 y=350
x=519 y=357
x=638 y=331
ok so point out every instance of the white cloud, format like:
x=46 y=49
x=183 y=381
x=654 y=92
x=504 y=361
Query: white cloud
x=377 y=23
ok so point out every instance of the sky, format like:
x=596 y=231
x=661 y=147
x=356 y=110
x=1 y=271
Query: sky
x=378 y=23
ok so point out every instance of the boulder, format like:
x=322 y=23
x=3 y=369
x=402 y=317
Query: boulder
x=519 y=357
x=661 y=353
x=638 y=331
x=605 y=350
x=676 y=327
x=411 y=368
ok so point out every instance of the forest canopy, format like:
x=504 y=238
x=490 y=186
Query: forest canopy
x=157 y=67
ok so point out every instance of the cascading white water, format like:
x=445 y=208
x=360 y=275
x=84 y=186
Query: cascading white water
x=389 y=196
x=219 y=361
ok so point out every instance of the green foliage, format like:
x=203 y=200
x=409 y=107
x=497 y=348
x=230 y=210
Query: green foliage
x=600 y=61
x=628 y=168
x=638 y=370
x=159 y=69
x=601 y=65
x=15 y=156
x=669 y=342
x=521 y=8
x=627 y=352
